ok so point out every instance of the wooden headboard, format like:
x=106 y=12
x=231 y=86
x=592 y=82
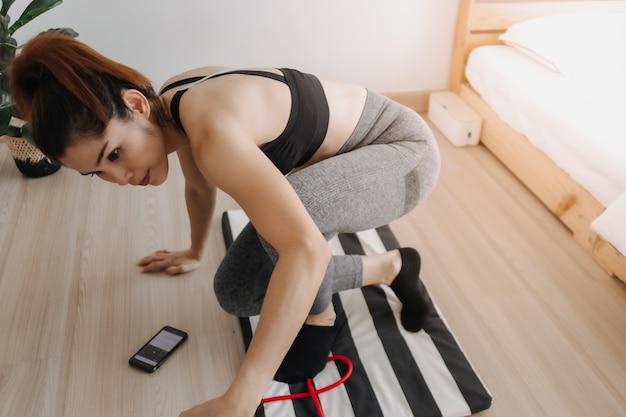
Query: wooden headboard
x=481 y=24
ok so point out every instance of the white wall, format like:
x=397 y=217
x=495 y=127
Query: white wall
x=385 y=45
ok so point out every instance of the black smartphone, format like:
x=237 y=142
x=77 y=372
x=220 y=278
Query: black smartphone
x=158 y=349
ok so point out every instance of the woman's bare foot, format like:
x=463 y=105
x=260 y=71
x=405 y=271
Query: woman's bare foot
x=414 y=305
x=399 y=269
x=381 y=268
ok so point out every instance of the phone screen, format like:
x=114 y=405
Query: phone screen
x=153 y=353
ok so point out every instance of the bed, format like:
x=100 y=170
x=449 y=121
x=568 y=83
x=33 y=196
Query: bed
x=554 y=119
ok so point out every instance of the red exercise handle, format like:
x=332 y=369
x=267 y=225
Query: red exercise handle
x=313 y=393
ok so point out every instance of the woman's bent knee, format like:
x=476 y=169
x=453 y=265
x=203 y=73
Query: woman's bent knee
x=236 y=301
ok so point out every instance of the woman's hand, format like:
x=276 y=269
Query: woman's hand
x=174 y=263
x=217 y=407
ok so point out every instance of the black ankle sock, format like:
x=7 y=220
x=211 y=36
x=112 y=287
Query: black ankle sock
x=414 y=305
x=307 y=355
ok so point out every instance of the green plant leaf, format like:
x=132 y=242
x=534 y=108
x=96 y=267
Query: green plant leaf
x=5 y=117
x=6 y=5
x=64 y=31
x=34 y=9
x=14 y=131
x=27 y=134
x=7 y=53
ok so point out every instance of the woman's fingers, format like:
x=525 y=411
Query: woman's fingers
x=156 y=256
x=173 y=263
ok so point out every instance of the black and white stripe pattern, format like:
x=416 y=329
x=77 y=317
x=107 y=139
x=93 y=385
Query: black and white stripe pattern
x=396 y=373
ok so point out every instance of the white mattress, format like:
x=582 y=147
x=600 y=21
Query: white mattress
x=580 y=125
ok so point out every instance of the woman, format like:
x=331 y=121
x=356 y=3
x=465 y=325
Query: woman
x=305 y=158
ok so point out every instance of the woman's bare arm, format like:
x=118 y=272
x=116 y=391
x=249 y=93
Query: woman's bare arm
x=200 y=198
x=230 y=159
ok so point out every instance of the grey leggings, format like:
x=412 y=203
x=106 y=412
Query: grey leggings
x=388 y=165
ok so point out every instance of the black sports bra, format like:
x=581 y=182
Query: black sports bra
x=308 y=120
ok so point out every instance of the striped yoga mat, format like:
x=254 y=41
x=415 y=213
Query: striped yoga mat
x=396 y=373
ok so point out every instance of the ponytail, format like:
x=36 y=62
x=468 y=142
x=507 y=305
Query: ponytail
x=65 y=89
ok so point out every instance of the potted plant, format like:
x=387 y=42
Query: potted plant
x=29 y=160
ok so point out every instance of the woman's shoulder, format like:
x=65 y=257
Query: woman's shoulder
x=192 y=73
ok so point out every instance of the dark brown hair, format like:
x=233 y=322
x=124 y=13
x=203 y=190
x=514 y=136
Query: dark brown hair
x=66 y=91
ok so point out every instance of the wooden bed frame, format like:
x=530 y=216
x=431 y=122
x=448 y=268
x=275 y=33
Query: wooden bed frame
x=481 y=24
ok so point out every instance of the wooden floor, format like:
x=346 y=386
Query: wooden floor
x=543 y=325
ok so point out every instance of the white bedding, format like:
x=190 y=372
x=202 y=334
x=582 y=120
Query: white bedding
x=611 y=225
x=579 y=124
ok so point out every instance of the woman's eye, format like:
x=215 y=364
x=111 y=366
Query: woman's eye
x=114 y=155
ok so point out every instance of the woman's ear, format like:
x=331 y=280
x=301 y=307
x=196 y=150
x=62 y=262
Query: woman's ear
x=136 y=102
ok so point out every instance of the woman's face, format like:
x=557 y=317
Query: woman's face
x=129 y=152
